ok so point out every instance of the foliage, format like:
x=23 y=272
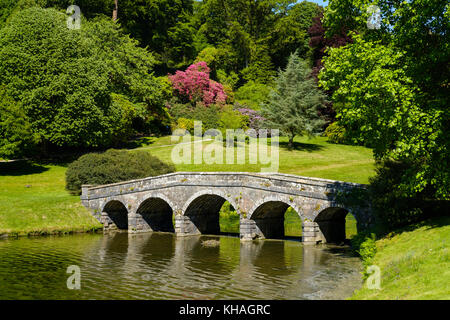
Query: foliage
x=253 y=94
x=211 y=56
x=229 y=219
x=194 y=85
x=129 y=66
x=65 y=87
x=393 y=207
x=113 y=166
x=230 y=79
x=208 y=115
x=260 y=68
x=16 y=138
x=237 y=35
x=231 y=119
x=381 y=104
x=290 y=32
x=364 y=244
x=257 y=36
x=319 y=42
x=335 y=133
x=123 y=118
x=255 y=120
x=183 y=123
x=292 y=106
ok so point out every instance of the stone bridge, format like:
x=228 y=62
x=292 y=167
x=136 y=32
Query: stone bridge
x=188 y=203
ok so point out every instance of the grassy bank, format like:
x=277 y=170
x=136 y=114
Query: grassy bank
x=33 y=199
x=414 y=263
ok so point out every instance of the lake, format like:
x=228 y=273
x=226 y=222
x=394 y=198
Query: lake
x=163 y=266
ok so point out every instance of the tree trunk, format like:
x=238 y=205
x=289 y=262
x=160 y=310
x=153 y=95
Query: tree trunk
x=291 y=142
x=115 y=10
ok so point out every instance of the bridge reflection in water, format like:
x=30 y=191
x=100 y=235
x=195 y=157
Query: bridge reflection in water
x=163 y=266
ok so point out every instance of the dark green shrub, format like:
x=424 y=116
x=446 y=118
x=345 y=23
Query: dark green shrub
x=113 y=166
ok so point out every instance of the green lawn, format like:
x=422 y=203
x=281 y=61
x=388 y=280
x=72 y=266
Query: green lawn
x=33 y=198
x=311 y=157
x=33 y=201
x=414 y=263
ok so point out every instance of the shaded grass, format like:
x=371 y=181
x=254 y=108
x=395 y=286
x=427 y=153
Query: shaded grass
x=414 y=263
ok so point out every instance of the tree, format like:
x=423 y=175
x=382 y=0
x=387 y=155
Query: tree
x=319 y=43
x=257 y=35
x=64 y=79
x=293 y=104
x=391 y=86
x=194 y=85
x=260 y=68
x=290 y=32
x=164 y=26
x=115 y=10
x=16 y=138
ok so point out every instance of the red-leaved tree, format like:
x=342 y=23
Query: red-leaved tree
x=194 y=85
x=319 y=43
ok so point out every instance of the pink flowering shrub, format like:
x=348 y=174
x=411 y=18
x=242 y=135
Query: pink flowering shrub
x=194 y=85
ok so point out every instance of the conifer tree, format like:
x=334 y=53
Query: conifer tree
x=293 y=104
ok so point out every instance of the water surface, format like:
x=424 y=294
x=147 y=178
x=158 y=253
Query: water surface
x=163 y=266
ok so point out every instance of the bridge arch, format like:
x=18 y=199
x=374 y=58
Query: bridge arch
x=331 y=222
x=203 y=209
x=155 y=213
x=158 y=195
x=115 y=215
x=217 y=193
x=268 y=215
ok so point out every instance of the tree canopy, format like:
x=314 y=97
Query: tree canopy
x=293 y=104
x=391 y=86
x=65 y=78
